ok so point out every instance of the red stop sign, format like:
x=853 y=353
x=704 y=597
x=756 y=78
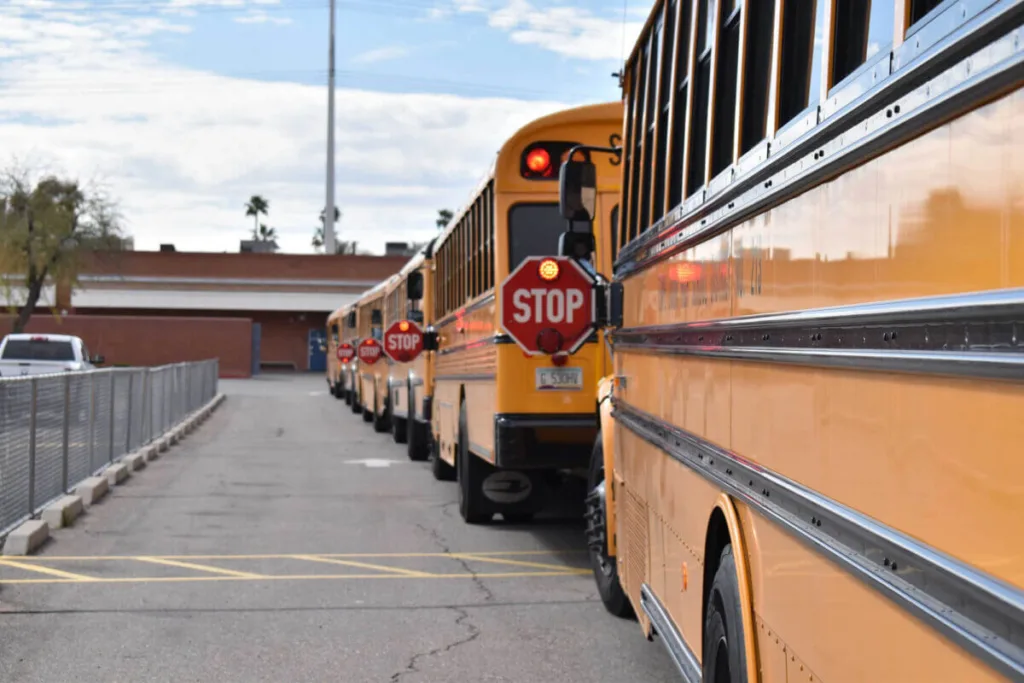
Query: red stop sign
x=345 y=352
x=403 y=341
x=369 y=351
x=547 y=305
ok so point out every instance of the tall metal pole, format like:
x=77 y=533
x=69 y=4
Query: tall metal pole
x=329 y=247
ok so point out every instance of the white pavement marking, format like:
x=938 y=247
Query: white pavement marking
x=374 y=462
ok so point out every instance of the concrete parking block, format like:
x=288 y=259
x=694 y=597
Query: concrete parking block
x=27 y=537
x=150 y=453
x=93 y=489
x=135 y=461
x=62 y=512
x=162 y=445
x=117 y=473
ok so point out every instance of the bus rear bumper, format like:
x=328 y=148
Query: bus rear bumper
x=524 y=441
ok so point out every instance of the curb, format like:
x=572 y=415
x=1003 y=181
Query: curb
x=33 y=533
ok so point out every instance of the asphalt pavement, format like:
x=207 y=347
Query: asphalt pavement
x=285 y=541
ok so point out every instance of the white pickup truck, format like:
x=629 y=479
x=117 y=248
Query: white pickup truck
x=43 y=354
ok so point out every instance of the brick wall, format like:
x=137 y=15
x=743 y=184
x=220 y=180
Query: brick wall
x=149 y=340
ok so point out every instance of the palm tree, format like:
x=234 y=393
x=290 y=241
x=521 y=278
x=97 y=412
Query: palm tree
x=256 y=206
x=265 y=234
x=444 y=217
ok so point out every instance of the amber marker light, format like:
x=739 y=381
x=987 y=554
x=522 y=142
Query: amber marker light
x=548 y=270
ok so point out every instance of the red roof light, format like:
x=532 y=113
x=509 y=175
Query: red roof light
x=538 y=160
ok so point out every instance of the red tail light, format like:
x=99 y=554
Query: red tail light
x=549 y=340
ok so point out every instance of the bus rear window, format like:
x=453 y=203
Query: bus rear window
x=533 y=230
x=26 y=349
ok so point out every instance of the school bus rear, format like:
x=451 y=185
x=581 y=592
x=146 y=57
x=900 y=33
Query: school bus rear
x=372 y=377
x=520 y=417
x=334 y=366
x=409 y=297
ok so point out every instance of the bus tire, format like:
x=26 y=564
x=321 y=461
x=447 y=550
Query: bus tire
x=606 y=571
x=338 y=391
x=416 y=447
x=356 y=407
x=725 y=653
x=470 y=476
x=347 y=395
x=399 y=426
x=380 y=422
x=441 y=470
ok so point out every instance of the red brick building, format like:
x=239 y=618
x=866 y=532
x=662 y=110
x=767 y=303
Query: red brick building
x=251 y=310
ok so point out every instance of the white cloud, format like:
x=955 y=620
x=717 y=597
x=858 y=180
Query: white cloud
x=381 y=54
x=183 y=149
x=260 y=17
x=572 y=31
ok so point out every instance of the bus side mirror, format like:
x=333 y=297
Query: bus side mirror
x=350 y=321
x=415 y=315
x=577 y=190
x=376 y=317
x=414 y=286
x=577 y=245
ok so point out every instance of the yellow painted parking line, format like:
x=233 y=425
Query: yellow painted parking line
x=279 y=556
x=45 y=570
x=288 y=577
x=518 y=563
x=362 y=565
x=199 y=567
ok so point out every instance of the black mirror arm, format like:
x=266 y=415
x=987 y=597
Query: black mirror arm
x=617 y=151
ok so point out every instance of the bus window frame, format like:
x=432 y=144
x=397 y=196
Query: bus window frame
x=508 y=229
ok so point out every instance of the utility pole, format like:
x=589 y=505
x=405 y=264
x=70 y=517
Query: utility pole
x=329 y=247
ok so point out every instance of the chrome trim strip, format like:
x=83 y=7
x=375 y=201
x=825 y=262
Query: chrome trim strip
x=417 y=381
x=900 y=108
x=681 y=655
x=974 y=335
x=489 y=298
x=467 y=377
x=982 y=614
x=476 y=343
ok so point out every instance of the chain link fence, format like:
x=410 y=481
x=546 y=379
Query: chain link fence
x=56 y=430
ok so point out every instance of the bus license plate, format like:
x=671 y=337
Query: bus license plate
x=559 y=379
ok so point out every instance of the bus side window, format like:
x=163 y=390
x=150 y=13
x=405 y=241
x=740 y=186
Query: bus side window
x=756 y=73
x=861 y=30
x=800 y=81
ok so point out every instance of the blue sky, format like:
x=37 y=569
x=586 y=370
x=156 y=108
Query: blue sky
x=181 y=109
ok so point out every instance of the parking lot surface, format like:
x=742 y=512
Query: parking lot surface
x=286 y=541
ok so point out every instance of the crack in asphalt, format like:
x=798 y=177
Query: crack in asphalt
x=462 y=620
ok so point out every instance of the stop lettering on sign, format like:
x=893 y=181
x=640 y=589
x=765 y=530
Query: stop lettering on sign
x=551 y=306
x=403 y=342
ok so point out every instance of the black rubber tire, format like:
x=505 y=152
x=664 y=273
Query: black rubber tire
x=399 y=426
x=441 y=470
x=470 y=476
x=606 y=570
x=338 y=391
x=347 y=395
x=380 y=422
x=725 y=653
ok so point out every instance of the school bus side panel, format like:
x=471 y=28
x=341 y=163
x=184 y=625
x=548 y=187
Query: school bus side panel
x=926 y=455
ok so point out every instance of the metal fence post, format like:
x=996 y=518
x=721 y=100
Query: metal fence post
x=167 y=400
x=64 y=435
x=113 y=387
x=128 y=421
x=92 y=417
x=144 y=424
x=32 y=449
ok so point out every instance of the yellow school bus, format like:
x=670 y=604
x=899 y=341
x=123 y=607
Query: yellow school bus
x=808 y=454
x=409 y=297
x=348 y=333
x=493 y=429
x=334 y=380
x=372 y=380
